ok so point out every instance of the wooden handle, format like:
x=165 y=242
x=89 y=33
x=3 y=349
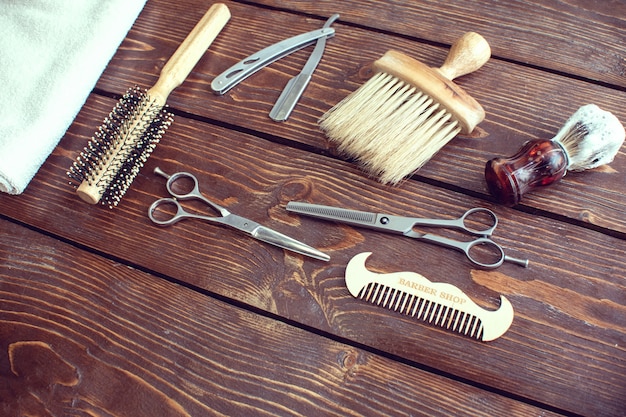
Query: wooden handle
x=536 y=164
x=190 y=51
x=139 y=122
x=470 y=52
x=467 y=54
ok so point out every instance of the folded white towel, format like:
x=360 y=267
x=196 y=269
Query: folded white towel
x=52 y=53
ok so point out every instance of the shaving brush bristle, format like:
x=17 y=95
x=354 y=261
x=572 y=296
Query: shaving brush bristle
x=590 y=137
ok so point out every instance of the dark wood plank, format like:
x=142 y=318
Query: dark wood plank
x=82 y=335
x=565 y=348
x=583 y=38
x=569 y=305
x=522 y=102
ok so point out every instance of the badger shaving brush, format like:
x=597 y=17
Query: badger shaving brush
x=591 y=137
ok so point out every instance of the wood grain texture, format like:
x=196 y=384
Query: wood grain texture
x=579 y=271
x=579 y=37
x=102 y=312
x=521 y=102
x=82 y=335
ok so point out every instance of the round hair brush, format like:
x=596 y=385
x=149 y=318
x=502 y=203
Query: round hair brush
x=112 y=159
x=591 y=137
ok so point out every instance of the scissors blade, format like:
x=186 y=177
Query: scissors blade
x=267 y=235
x=354 y=217
x=275 y=238
x=248 y=66
x=296 y=86
x=378 y=221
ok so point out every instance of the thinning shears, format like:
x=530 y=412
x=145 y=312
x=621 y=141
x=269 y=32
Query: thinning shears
x=482 y=251
x=184 y=186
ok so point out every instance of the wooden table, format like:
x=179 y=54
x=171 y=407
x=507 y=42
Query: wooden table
x=103 y=313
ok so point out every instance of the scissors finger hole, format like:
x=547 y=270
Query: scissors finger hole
x=480 y=220
x=181 y=184
x=485 y=253
x=163 y=212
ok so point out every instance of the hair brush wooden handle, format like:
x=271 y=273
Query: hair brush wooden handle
x=127 y=137
x=190 y=51
x=470 y=52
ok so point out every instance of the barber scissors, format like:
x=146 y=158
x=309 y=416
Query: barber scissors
x=482 y=251
x=184 y=186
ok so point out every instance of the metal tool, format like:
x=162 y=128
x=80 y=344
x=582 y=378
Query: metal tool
x=187 y=186
x=481 y=251
x=296 y=86
x=248 y=66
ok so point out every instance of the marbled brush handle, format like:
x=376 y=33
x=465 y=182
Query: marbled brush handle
x=536 y=164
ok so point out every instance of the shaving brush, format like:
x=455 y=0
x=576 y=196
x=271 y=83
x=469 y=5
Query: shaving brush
x=591 y=137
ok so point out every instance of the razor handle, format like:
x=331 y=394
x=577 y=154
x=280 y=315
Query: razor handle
x=536 y=164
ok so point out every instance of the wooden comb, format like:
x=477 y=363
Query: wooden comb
x=437 y=303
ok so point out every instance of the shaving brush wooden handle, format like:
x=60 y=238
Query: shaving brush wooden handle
x=538 y=163
x=591 y=137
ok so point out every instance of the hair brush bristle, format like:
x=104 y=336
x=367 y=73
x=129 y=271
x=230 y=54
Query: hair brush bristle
x=403 y=115
x=112 y=158
x=390 y=127
x=590 y=137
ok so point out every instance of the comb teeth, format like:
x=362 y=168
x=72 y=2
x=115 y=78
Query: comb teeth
x=436 y=303
x=117 y=151
x=423 y=309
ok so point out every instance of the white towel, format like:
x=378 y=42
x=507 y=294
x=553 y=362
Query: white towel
x=52 y=53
